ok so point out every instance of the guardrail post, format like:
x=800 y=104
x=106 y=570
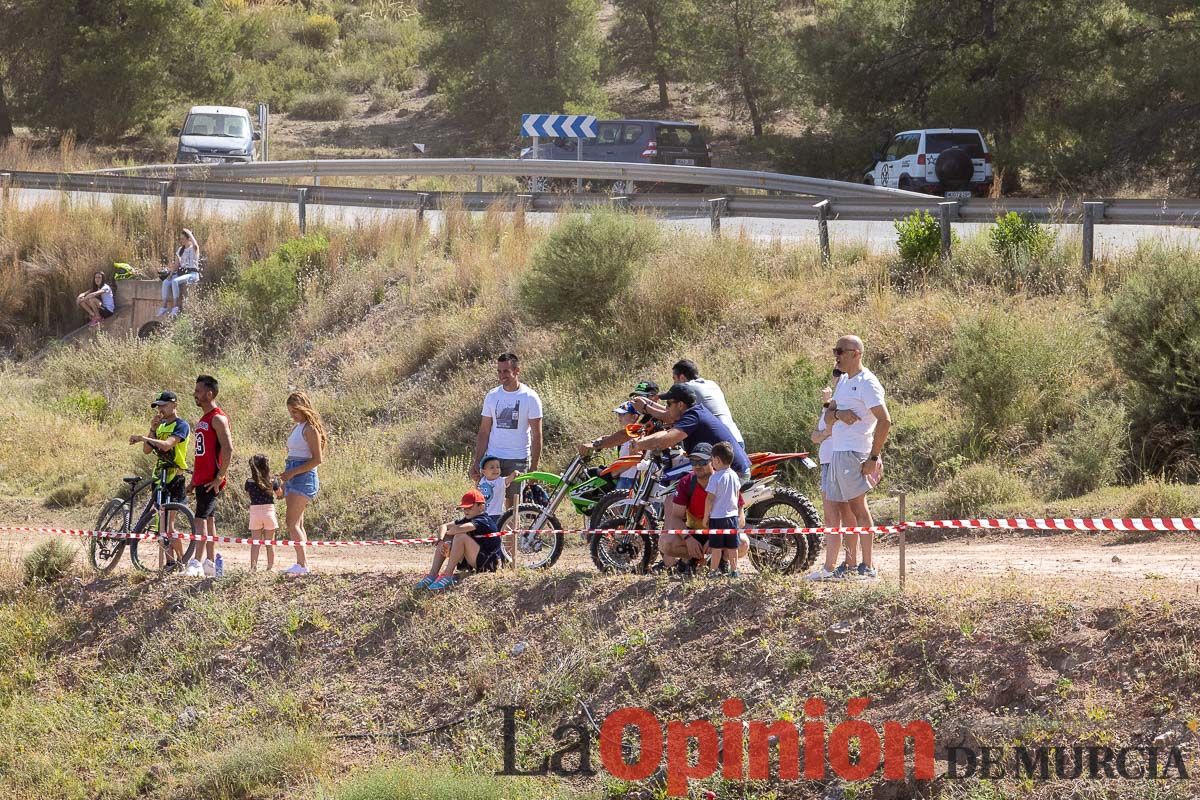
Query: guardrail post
x=5 y=185
x=479 y=183
x=164 y=200
x=1092 y=211
x=422 y=204
x=944 y=214
x=716 y=208
x=823 y=231
x=302 y=209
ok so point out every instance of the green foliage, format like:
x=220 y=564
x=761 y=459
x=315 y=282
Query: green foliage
x=584 y=265
x=1153 y=330
x=85 y=403
x=73 y=493
x=1019 y=372
x=265 y=294
x=251 y=769
x=925 y=443
x=495 y=61
x=1089 y=454
x=1018 y=237
x=48 y=562
x=142 y=56
x=979 y=488
x=919 y=241
x=326 y=105
x=1158 y=498
x=654 y=39
x=319 y=31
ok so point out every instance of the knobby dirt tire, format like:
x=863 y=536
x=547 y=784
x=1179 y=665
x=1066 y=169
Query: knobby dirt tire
x=546 y=545
x=796 y=507
x=792 y=555
x=630 y=553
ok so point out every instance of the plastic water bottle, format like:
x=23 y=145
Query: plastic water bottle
x=220 y=567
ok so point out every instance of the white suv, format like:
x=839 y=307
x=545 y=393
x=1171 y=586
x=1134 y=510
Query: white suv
x=954 y=162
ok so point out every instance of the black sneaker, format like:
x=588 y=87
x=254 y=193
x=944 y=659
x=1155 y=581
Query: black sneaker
x=659 y=568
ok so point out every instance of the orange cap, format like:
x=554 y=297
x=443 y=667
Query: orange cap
x=471 y=498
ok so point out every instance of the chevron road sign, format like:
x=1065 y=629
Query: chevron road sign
x=553 y=126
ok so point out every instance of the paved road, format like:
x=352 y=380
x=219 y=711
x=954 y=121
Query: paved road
x=878 y=237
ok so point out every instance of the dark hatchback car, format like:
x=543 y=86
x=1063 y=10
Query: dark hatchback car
x=646 y=141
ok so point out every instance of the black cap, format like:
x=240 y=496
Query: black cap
x=681 y=392
x=644 y=389
x=164 y=397
x=701 y=452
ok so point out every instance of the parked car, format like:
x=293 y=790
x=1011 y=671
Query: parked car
x=644 y=141
x=216 y=135
x=953 y=162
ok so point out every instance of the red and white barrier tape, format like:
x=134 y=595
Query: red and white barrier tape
x=1145 y=524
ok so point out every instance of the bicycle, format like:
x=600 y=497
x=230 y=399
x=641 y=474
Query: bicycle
x=153 y=554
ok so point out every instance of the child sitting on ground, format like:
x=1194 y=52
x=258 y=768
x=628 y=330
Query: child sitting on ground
x=493 y=486
x=464 y=542
x=263 y=490
x=721 y=509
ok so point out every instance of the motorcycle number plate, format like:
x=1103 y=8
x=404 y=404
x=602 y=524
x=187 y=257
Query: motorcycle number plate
x=808 y=462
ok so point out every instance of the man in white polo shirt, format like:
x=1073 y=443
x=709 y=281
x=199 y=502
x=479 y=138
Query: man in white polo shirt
x=859 y=424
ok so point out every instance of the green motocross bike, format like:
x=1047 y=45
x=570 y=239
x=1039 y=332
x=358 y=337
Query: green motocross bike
x=541 y=494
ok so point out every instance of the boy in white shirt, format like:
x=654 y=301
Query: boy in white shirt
x=493 y=485
x=721 y=509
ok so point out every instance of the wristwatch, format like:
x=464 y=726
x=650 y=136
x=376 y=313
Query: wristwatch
x=825 y=405
x=872 y=458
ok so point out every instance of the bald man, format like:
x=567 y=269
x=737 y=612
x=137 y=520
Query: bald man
x=858 y=421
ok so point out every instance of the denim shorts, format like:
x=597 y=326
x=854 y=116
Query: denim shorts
x=306 y=483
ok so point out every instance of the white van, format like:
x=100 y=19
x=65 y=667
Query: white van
x=216 y=135
x=954 y=162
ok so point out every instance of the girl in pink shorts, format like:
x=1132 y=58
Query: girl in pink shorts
x=263 y=490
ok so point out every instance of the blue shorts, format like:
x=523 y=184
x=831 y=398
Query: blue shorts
x=306 y=483
x=723 y=541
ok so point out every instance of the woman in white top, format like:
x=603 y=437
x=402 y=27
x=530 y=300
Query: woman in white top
x=184 y=271
x=97 y=303
x=306 y=449
x=832 y=511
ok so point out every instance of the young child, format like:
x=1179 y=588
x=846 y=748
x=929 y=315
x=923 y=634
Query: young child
x=627 y=415
x=263 y=489
x=721 y=509
x=464 y=541
x=493 y=486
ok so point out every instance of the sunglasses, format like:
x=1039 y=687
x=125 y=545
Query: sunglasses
x=699 y=462
x=837 y=351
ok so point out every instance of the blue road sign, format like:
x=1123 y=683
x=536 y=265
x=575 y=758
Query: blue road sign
x=554 y=126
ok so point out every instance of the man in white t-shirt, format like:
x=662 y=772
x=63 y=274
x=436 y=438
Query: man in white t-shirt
x=708 y=393
x=859 y=422
x=511 y=425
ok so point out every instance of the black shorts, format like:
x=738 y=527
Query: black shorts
x=723 y=541
x=175 y=490
x=104 y=312
x=206 y=503
x=485 y=563
x=702 y=538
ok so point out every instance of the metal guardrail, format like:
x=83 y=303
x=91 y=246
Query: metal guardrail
x=1177 y=212
x=517 y=168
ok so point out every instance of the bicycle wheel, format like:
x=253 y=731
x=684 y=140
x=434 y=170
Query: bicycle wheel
x=793 y=505
x=624 y=552
x=786 y=553
x=104 y=552
x=536 y=549
x=154 y=555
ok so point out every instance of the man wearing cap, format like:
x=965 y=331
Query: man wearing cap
x=646 y=390
x=692 y=424
x=168 y=438
x=464 y=542
x=686 y=511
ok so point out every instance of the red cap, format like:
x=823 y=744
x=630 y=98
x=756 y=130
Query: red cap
x=471 y=498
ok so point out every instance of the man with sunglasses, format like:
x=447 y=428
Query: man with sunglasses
x=858 y=420
x=645 y=390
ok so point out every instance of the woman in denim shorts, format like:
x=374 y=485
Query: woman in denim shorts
x=306 y=448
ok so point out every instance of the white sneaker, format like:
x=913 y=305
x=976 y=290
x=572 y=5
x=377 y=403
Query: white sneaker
x=296 y=569
x=194 y=569
x=175 y=312
x=162 y=312
x=210 y=568
x=821 y=574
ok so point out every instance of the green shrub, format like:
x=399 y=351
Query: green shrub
x=1019 y=236
x=1157 y=498
x=263 y=295
x=978 y=489
x=1153 y=332
x=925 y=444
x=585 y=263
x=919 y=239
x=1026 y=372
x=438 y=783
x=326 y=105
x=48 y=562
x=252 y=769
x=319 y=31
x=85 y=403
x=1089 y=454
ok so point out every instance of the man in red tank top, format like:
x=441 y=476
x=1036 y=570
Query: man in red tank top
x=213 y=452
